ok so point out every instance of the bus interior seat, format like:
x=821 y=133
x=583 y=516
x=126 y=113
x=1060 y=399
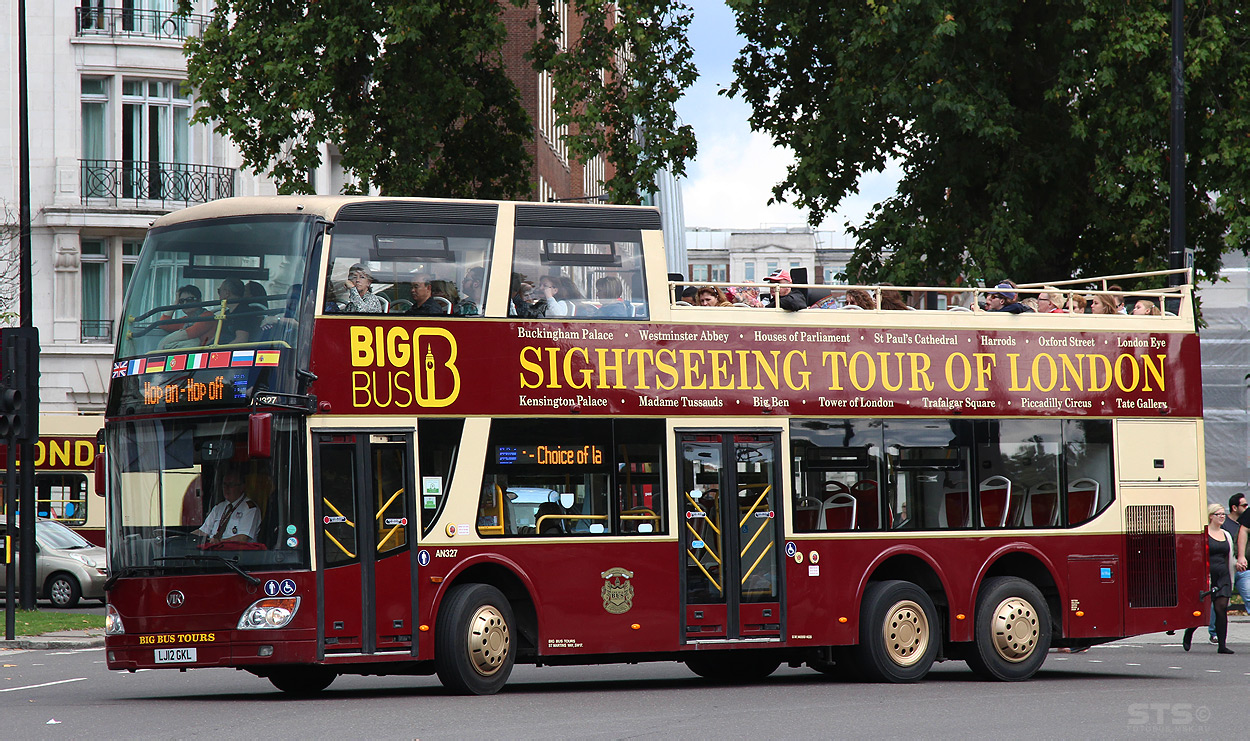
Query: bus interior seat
x=807 y=514
x=956 y=509
x=1043 y=507
x=1082 y=500
x=865 y=493
x=995 y=493
x=552 y=525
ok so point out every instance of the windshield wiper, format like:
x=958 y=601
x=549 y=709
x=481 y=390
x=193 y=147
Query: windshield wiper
x=232 y=565
x=119 y=573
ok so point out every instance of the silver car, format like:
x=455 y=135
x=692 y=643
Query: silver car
x=67 y=566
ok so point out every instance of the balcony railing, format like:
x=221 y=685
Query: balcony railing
x=95 y=330
x=134 y=180
x=150 y=24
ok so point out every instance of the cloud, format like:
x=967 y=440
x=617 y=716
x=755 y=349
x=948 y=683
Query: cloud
x=732 y=180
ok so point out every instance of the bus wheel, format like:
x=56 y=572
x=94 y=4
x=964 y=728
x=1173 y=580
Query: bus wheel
x=898 y=632
x=473 y=650
x=744 y=667
x=63 y=590
x=1012 y=630
x=303 y=680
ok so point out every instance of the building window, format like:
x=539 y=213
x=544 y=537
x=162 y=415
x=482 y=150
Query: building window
x=554 y=134
x=155 y=137
x=835 y=275
x=748 y=271
x=102 y=287
x=772 y=267
x=95 y=101
x=698 y=273
x=705 y=273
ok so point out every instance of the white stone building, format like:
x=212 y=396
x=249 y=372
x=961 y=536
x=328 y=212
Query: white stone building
x=750 y=255
x=110 y=150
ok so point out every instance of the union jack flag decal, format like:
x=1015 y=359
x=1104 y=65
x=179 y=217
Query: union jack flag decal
x=119 y=369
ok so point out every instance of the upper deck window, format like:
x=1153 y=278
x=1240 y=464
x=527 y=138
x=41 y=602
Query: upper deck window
x=215 y=283
x=578 y=273
x=417 y=269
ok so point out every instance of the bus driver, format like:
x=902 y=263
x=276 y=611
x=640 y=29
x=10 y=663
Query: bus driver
x=235 y=519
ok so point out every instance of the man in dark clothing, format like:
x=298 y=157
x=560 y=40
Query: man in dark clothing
x=424 y=302
x=782 y=295
x=1237 y=535
x=1005 y=299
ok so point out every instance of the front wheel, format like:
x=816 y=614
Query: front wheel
x=1012 y=630
x=63 y=590
x=473 y=651
x=302 y=681
x=898 y=632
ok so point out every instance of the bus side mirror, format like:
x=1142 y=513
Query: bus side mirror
x=259 y=435
x=100 y=465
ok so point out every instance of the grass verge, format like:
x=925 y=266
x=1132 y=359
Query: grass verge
x=39 y=622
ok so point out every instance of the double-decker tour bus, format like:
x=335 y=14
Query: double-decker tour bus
x=64 y=473
x=447 y=436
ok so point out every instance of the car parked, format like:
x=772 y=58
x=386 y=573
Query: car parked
x=67 y=567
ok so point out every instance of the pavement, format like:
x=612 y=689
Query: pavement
x=61 y=639
x=1238 y=635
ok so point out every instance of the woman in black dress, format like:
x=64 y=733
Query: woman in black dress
x=1219 y=555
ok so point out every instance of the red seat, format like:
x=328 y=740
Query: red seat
x=868 y=508
x=1044 y=505
x=995 y=494
x=956 y=509
x=1082 y=500
x=807 y=515
x=839 y=512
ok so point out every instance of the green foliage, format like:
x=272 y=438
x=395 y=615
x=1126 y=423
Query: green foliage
x=1033 y=134
x=617 y=85
x=38 y=622
x=412 y=92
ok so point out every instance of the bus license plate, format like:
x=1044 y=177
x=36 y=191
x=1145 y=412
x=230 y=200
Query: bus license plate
x=175 y=655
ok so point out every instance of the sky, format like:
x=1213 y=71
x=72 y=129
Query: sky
x=730 y=181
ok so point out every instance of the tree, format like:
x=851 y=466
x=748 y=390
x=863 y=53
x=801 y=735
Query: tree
x=10 y=265
x=413 y=93
x=1033 y=135
x=415 y=96
x=627 y=113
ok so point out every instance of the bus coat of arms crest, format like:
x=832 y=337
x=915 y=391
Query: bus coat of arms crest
x=618 y=592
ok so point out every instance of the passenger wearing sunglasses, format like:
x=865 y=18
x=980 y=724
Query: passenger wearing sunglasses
x=199 y=325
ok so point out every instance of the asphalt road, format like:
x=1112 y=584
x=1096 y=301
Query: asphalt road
x=1142 y=686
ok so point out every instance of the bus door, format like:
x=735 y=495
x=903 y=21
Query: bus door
x=363 y=501
x=730 y=490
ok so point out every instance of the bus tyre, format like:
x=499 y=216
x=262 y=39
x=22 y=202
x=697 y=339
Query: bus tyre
x=302 y=681
x=473 y=651
x=63 y=590
x=1012 y=630
x=898 y=632
x=743 y=668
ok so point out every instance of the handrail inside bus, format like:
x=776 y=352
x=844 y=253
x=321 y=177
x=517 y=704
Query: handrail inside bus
x=538 y=524
x=763 y=553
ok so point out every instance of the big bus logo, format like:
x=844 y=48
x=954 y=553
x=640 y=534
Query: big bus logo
x=399 y=368
x=617 y=592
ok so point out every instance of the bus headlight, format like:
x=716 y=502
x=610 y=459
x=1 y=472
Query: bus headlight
x=112 y=622
x=274 y=612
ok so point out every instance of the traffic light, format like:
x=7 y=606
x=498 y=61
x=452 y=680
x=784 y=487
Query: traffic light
x=19 y=363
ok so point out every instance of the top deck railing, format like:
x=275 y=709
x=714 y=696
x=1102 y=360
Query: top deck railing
x=1170 y=301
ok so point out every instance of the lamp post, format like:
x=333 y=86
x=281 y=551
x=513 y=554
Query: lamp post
x=1176 y=250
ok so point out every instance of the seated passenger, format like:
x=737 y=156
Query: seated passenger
x=471 y=286
x=198 y=328
x=1146 y=308
x=241 y=323
x=782 y=295
x=1076 y=305
x=1050 y=301
x=360 y=299
x=609 y=291
x=1102 y=303
x=861 y=298
x=1005 y=300
x=892 y=300
x=424 y=303
x=711 y=296
x=552 y=303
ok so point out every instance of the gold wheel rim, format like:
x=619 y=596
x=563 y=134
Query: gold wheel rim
x=489 y=640
x=1015 y=629
x=906 y=633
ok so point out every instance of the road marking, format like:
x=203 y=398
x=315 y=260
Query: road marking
x=1132 y=664
x=1094 y=661
x=1174 y=667
x=45 y=684
x=1213 y=671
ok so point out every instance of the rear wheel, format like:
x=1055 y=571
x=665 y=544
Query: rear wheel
x=63 y=590
x=898 y=632
x=1012 y=630
x=473 y=651
x=302 y=681
x=744 y=667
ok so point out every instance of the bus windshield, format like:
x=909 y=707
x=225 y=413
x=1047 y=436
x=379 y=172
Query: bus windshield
x=223 y=282
x=187 y=489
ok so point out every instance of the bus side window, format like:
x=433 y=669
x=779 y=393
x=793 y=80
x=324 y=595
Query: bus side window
x=1087 y=463
x=438 y=441
x=639 y=470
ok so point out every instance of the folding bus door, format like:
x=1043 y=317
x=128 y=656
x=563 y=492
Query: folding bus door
x=731 y=535
x=365 y=579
